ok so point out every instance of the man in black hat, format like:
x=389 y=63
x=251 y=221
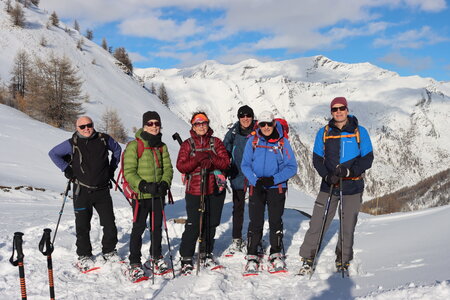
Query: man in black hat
x=234 y=142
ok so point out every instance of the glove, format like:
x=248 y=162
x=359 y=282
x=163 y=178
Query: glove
x=111 y=172
x=201 y=156
x=206 y=163
x=259 y=187
x=162 y=188
x=267 y=181
x=331 y=179
x=68 y=172
x=342 y=171
x=148 y=187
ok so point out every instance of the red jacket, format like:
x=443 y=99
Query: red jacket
x=187 y=164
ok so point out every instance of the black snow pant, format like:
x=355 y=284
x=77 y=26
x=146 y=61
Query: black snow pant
x=238 y=212
x=351 y=205
x=211 y=219
x=85 y=200
x=152 y=208
x=275 y=207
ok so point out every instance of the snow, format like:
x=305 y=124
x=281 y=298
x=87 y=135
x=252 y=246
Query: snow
x=399 y=256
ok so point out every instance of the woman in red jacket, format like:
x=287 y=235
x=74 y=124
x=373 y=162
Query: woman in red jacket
x=202 y=153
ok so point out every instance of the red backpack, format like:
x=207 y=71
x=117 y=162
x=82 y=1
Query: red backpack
x=284 y=126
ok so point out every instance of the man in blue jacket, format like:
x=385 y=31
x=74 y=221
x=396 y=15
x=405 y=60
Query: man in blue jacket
x=84 y=160
x=267 y=164
x=342 y=149
x=234 y=142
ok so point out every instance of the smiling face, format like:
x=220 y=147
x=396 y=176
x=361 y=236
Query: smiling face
x=153 y=127
x=339 y=113
x=266 y=128
x=200 y=128
x=245 y=121
x=85 y=126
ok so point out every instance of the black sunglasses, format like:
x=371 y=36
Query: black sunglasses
x=264 y=124
x=245 y=116
x=156 y=123
x=88 y=125
x=341 y=108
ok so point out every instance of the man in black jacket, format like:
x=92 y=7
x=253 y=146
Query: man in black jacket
x=90 y=171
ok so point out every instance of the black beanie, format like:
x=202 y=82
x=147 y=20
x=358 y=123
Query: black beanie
x=150 y=115
x=245 y=110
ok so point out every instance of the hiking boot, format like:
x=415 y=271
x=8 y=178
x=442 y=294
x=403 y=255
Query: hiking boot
x=210 y=263
x=187 y=266
x=85 y=263
x=112 y=256
x=161 y=267
x=252 y=266
x=276 y=263
x=342 y=267
x=306 y=267
x=135 y=273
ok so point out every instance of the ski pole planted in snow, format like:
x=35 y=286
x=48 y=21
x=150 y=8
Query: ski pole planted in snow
x=62 y=209
x=341 y=229
x=167 y=236
x=17 y=246
x=46 y=248
x=203 y=174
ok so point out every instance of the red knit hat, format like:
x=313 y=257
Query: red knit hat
x=339 y=100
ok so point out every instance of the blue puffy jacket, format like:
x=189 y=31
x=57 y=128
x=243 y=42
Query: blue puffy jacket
x=266 y=162
x=345 y=151
x=235 y=142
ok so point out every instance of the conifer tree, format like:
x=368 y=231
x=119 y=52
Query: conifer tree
x=76 y=26
x=162 y=94
x=121 y=55
x=104 y=44
x=89 y=34
x=54 y=19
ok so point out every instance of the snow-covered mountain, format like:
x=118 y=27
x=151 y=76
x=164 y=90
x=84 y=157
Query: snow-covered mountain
x=406 y=116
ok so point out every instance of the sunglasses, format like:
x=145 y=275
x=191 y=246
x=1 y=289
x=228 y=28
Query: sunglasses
x=264 y=124
x=200 y=124
x=88 y=125
x=156 y=123
x=341 y=108
x=245 y=116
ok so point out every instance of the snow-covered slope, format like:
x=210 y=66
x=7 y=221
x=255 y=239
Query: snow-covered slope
x=400 y=256
x=406 y=116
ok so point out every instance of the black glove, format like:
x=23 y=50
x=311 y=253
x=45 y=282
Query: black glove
x=111 y=172
x=148 y=187
x=331 y=179
x=267 y=181
x=162 y=188
x=342 y=171
x=259 y=187
x=68 y=172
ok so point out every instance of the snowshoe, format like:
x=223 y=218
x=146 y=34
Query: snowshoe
x=112 y=257
x=85 y=264
x=135 y=273
x=187 y=267
x=237 y=245
x=252 y=266
x=161 y=268
x=306 y=268
x=210 y=263
x=277 y=264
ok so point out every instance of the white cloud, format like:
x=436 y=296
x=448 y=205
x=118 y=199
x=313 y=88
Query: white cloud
x=428 y=5
x=186 y=58
x=137 y=57
x=411 y=39
x=413 y=63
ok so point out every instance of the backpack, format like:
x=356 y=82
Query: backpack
x=326 y=136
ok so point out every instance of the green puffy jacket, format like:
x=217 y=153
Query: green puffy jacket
x=146 y=168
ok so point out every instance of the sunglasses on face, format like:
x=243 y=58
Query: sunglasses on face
x=89 y=125
x=264 y=124
x=245 y=116
x=341 y=108
x=156 y=123
x=200 y=124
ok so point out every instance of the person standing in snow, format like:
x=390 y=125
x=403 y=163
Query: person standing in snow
x=342 y=149
x=202 y=152
x=90 y=171
x=151 y=175
x=268 y=163
x=234 y=142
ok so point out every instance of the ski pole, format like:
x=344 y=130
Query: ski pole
x=176 y=137
x=62 y=209
x=167 y=236
x=341 y=229
x=201 y=209
x=45 y=243
x=153 y=240
x=17 y=246
x=319 y=242
x=121 y=191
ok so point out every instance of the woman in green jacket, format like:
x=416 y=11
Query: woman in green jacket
x=151 y=175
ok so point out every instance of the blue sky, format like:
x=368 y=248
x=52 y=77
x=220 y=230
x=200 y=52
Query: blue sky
x=411 y=37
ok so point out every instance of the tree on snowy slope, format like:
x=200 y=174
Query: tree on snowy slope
x=112 y=125
x=89 y=34
x=76 y=26
x=121 y=55
x=55 y=91
x=54 y=19
x=162 y=94
x=17 y=15
x=35 y=2
x=19 y=74
x=104 y=44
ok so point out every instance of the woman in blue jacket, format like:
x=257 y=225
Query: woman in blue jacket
x=268 y=163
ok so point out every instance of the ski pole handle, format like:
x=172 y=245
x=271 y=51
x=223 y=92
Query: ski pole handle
x=121 y=191
x=45 y=246
x=176 y=137
x=17 y=246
